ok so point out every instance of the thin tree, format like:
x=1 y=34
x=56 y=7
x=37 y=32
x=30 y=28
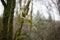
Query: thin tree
x=58 y=3
x=24 y=14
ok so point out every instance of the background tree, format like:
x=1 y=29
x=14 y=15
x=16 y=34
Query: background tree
x=58 y=3
x=24 y=13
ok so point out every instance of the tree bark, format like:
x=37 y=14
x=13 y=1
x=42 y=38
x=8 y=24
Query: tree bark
x=8 y=20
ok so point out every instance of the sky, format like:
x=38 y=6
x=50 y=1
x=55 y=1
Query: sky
x=1 y=8
x=41 y=6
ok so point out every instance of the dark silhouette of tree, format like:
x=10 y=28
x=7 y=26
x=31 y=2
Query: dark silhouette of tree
x=24 y=14
x=58 y=3
x=3 y=2
x=8 y=19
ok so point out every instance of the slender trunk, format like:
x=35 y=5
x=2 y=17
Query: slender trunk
x=24 y=14
x=58 y=5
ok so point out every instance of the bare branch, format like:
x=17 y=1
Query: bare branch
x=3 y=2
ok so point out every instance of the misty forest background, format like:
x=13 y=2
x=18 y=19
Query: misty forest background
x=21 y=22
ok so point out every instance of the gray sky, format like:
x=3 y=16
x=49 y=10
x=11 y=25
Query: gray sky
x=1 y=8
x=41 y=6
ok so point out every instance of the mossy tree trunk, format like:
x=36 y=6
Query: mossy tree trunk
x=24 y=14
x=8 y=19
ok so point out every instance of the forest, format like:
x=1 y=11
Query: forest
x=30 y=20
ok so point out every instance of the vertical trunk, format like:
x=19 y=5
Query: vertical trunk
x=8 y=20
x=31 y=19
x=24 y=14
x=10 y=3
x=5 y=22
x=58 y=5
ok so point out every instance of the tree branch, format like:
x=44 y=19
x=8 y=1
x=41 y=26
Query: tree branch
x=3 y=2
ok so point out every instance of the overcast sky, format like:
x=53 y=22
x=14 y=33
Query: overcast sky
x=1 y=8
x=41 y=6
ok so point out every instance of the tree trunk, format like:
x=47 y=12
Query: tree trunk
x=58 y=5
x=8 y=20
